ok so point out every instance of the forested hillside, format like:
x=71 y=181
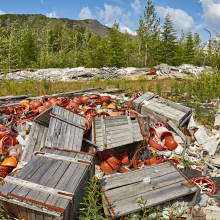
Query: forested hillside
x=35 y=41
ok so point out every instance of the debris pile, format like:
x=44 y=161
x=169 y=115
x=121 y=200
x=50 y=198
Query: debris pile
x=82 y=73
x=142 y=147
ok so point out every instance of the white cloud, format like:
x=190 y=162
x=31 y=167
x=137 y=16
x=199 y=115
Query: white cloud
x=85 y=13
x=2 y=12
x=211 y=14
x=199 y=27
x=42 y=1
x=52 y=15
x=181 y=20
x=114 y=13
x=123 y=28
x=101 y=13
x=136 y=6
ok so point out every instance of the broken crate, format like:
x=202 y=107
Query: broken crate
x=122 y=192
x=49 y=187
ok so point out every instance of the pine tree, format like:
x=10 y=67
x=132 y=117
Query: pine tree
x=180 y=52
x=168 y=41
x=190 y=49
x=115 y=46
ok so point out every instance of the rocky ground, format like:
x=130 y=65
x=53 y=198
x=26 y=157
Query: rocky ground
x=82 y=73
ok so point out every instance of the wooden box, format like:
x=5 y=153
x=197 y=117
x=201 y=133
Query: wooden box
x=56 y=127
x=49 y=187
x=162 y=109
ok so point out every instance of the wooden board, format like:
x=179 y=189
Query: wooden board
x=35 y=142
x=123 y=191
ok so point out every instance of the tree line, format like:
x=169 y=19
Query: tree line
x=57 y=46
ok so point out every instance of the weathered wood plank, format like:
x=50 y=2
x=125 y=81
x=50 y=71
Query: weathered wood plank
x=29 y=141
x=136 y=176
x=157 y=182
x=153 y=198
x=63 y=131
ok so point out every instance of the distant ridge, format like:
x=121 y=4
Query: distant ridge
x=39 y=20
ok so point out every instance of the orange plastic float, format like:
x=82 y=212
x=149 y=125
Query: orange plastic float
x=204 y=183
x=108 y=168
x=154 y=160
x=156 y=143
x=125 y=170
x=35 y=104
x=102 y=154
x=112 y=106
x=77 y=101
x=84 y=99
x=8 y=110
x=112 y=160
x=42 y=109
x=10 y=161
x=114 y=114
x=47 y=104
x=123 y=157
x=170 y=143
x=5 y=143
x=4 y=131
x=106 y=99
x=73 y=107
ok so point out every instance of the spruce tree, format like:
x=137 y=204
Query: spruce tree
x=115 y=46
x=168 y=41
x=190 y=50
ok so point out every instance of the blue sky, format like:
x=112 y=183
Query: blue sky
x=188 y=15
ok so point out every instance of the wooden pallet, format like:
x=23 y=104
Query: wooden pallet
x=162 y=109
x=49 y=187
x=123 y=191
x=116 y=131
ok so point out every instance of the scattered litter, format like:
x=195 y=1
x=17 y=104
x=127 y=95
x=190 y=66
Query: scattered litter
x=127 y=143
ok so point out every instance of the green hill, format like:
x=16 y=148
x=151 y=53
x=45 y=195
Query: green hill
x=38 y=20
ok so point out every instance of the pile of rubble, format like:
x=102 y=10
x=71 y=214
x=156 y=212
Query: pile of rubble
x=145 y=147
x=81 y=73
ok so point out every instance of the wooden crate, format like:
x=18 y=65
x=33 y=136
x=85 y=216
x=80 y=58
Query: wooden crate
x=56 y=127
x=49 y=187
x=123 y=191
x=162 y=109
x=116 y=131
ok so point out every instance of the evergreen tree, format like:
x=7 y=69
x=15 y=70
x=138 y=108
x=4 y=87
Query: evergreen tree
x=168 y=41
x=190 y=50
x=180 y=52
x=148 y=32
x=199 y=52
x=115 y=46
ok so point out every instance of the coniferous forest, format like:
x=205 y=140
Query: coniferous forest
x=58 y=46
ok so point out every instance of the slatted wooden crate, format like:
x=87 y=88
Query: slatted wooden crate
x=49 y=187
x=56 y=127
x=162 y=109
x=116 y=131
x=123 y=191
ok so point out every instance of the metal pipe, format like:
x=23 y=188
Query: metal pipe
x=209 y=38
